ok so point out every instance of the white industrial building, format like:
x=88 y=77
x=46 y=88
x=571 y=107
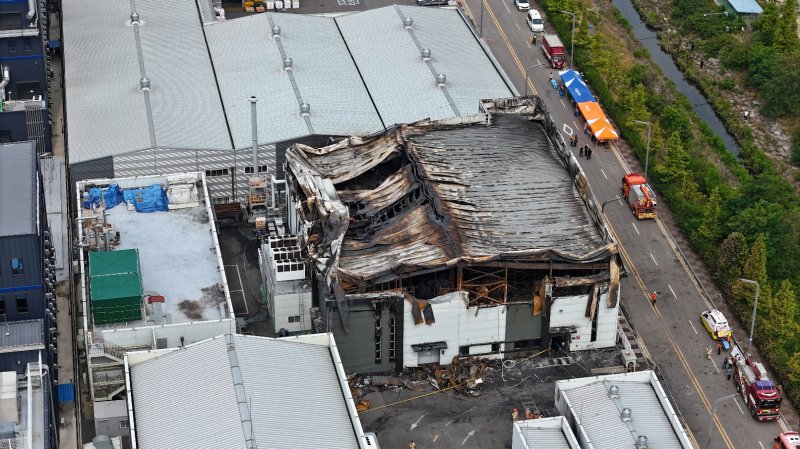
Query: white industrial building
x=183 y=296
x=543 y=433
x=155 y=87
x=629 y=410
x=238 y=391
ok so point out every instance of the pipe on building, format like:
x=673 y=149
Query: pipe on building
x=4 y=82
x=254 y=126
x=31 y=9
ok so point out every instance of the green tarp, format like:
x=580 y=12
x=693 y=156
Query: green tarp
x=115 y=286
x=112 y=262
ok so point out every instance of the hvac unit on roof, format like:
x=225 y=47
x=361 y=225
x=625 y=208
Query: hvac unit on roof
x=641 y=442
x=626 y=414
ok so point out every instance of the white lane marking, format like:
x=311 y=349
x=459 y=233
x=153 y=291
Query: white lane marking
x=762 y=446
x=504 y=4
x=604 y=174
x=736 y=400
x=693 y=328
x=518 y=26
x=436 y=438
x=537 y=61
x=528 y=43
x=620 y=201
x=448 y=423
x=673 y=291
x=635 y=228
x=714 y=364
x=567 y=129
x=562 y=102
x=654 y=259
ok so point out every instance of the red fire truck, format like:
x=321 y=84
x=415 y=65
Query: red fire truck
x=758 y=391
x=639 y=196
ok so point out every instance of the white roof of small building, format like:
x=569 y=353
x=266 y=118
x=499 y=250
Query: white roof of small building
x=546 y=433
x=188 y=397
x=597 y=415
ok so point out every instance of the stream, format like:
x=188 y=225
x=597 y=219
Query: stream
x=649 y=40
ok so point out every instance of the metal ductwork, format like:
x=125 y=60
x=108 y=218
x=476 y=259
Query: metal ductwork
x=31 y=10
x=407 y=22
x=626 y=414
x=254 y=129
x=4 y=82
x=641 y=442
x=613 y=392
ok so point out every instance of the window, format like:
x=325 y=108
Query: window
x=16 y=266
x=27 y=44
x=12 y=45
x=2 y=305
x=123 y=424
x=217 y=172
x=22 y=303
x=294 y=319
x=261 y=169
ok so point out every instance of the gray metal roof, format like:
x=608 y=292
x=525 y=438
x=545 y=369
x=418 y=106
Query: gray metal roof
x=402 y=85
x=18 y=195
x=187 y=398
x=600 y=415
x=105 y=107
x=546 y=433
x=746 y=6
x=18 y=336
x=248 y=62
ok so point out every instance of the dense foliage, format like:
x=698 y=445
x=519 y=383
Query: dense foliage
x=740 y=215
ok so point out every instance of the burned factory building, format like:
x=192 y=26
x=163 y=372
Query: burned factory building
x=473 y=236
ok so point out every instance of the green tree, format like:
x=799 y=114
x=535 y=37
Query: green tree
x=755 y=268
x=768 y=23
x=786 y=32
x=778 y=100
x=709 y=227
x=732 y=257
x=779 y=323
x=675 y=160
x=635 y=101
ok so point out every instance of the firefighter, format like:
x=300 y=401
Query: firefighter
x=514 y=415
x=533 y=39
x=729 y=371
x=653 y=298
x=708 y=352
x=412 y=445
x=719 y=348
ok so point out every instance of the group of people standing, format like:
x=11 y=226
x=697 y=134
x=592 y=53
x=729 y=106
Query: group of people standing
x=585 y=151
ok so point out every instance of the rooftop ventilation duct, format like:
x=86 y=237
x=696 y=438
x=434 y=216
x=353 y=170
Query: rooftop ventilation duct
x=426 y=54
x=407 y=22
x=276 y=31
x=613 y=392
x=287 y=64
x=134 y=18
x=626 y=415
x=305 y=109
x=254 y=126
x=144 y=83
x=31 y=10
x=441 y=79
x=641 y=442
x=4 y=82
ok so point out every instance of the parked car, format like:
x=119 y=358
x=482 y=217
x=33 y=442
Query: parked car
x=433 y=2
x=522 y=5
x=535 y=21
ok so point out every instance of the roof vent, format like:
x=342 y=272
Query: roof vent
x=276 y=31
x=641 y=442
x=305 y=109
x=144 y=83
x=426 y=54
x=626 y=414
x=613 y=392
x=287 y=64
x=407 y=22
x=441 y=79
x=134 y=18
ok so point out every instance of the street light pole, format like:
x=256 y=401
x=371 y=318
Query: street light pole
x=603 y=206
x=481 y=21
x=572 y=42
x=714 y=412
x=755 y=308
x=526 y=77
x=647 y=156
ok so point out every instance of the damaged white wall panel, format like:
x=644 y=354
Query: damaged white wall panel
x=456 y=325
x=571 y=311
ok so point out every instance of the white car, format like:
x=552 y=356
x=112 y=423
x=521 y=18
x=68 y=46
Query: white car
x=535 y=21
x=522 y=5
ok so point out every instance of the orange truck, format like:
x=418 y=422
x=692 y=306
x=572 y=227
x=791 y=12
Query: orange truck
x=639 y=196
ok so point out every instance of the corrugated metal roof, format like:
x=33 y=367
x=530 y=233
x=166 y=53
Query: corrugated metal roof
x=400 y=82
x=18 y=201
x=104 y=103
x=249 y=62
x=746 y=6
x=21 y=335
x=600 y=415
x=194 y=405
x=546 y=433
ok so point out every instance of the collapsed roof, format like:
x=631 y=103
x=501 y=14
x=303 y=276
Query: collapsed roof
x=435 y=194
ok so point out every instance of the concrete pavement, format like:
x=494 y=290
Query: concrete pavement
x=671 y=331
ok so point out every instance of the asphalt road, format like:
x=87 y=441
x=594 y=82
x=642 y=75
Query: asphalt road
x=671 y=331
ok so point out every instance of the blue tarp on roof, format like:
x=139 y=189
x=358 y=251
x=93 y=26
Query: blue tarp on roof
x=576 y=87
x=745 y=6
x=66 y=392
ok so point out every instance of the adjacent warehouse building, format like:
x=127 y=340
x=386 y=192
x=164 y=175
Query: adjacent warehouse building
x=192 y=112
x=229 y=392
x=466 y=236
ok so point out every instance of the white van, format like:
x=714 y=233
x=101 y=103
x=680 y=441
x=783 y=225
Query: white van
x=535 y=21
